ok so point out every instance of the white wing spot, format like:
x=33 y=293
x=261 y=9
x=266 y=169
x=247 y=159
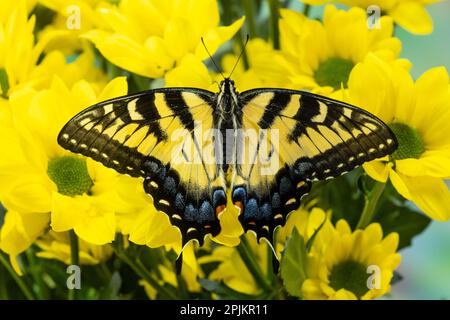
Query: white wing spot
x=65 y=136
x=154 y=184
x=94 y=150
x=340 y=165
x=372 y=150
x=191 y=230
x=291 y=200
x=73 y=141
x=83 y=146
x=164 y=202
x=361 y=154
x=382 y=146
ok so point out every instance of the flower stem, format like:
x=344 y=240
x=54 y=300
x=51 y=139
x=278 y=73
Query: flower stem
x=273 y=23
x=140 y=269
x=74 y=257
x=306 y=9
x=26 y=292
x=249 y=260
x=370 y=205
x=249 y=17
x=40 y=291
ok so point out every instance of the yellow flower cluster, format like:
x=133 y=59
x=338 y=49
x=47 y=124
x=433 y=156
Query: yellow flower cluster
x=55 y=71
x=409 y=14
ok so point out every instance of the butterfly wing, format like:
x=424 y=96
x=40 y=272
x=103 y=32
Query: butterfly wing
x=308 y=137
x=158 y=135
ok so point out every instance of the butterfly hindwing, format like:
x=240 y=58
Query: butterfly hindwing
x=157 y=135
x=309 y=137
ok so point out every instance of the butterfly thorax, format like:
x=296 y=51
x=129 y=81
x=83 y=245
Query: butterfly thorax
x=227 y=120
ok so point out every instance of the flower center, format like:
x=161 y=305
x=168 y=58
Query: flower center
x=333 y=72
x=70 y=175
x=410 y=143
x=350 y=275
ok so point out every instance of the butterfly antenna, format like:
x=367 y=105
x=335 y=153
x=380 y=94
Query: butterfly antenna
x=240 y=55
x=210 y=56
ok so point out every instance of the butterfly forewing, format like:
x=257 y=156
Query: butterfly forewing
x=158 y=135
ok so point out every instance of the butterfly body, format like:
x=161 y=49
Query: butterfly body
x=195 y=148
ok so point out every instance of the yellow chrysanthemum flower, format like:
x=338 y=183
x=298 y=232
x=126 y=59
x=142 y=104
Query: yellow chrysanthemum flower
x=320 y=56
x=44 y=178
x=232 y=269
x=72 y=19
x=55 y=245
x=148 y=37
x=17 y=58
x=351 y=265
x=409 y=14
x=19 y=231
x=419 y=115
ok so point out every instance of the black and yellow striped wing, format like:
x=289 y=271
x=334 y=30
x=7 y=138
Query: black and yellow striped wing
x=307 y=137
x=158 y=135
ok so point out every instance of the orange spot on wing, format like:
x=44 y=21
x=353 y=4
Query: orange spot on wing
x=220 y=209
x=239 y=205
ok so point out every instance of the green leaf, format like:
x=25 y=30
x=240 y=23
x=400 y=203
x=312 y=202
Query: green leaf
x=341 y=195
x=293 y=264
x=403 y=219
x=310 y=241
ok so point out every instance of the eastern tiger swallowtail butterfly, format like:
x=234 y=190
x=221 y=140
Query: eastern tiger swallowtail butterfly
x=195 y=148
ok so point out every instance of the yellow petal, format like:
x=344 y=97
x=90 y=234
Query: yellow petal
x=217 y=36
x=399 y=184
x=178 y=39
x=412 y=16
x=191 y=72
x=98 y=228
x=435 y=165
x=125 y=53
x=67 y=212
x=153 y=228
x=431 y=195
x=343 y=294
x=378 y=170
x=20 y=230
x=115 y=88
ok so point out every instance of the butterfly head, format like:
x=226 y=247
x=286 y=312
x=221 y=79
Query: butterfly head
x=227 y=86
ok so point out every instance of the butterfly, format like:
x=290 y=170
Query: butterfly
x=195 y=149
